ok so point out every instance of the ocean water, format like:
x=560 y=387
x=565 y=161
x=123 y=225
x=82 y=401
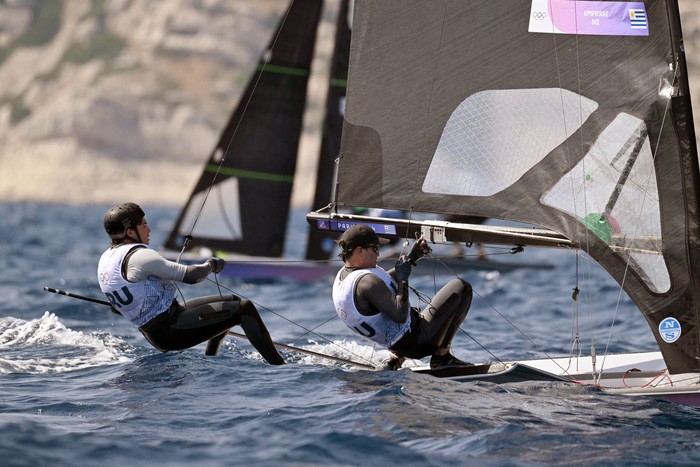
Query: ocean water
x=80 y=386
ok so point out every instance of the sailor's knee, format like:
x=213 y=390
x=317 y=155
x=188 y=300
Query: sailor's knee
x=248 y=308
x=465 y=286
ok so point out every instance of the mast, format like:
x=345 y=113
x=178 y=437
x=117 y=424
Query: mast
x=316 y=248
x=681 y=111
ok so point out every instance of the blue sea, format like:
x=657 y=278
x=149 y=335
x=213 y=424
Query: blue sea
x=81 y=387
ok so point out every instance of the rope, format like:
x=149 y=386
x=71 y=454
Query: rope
x=308 y=331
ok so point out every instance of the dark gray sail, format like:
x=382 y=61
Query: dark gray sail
x=574 y=116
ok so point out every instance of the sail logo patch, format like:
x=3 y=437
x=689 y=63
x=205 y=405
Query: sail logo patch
x=589 y=17
x=670 y=330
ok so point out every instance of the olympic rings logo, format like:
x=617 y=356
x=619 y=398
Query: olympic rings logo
x=539 y=15
x=104 y=277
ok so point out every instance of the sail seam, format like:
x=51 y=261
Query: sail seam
x=283 y=70
x=251 y=174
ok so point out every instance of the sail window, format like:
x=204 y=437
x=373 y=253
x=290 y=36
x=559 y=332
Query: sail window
x=612 y=191
x=493 y=137
x=218 y=220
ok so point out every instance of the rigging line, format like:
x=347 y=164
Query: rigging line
x=266 y=60
x=514 y=326
x=639 y=215
x=587 y=274
x=309 y=331
x=314 y=328
x=310 y=352
x=567 y=149
x=438 y=260
x=482 y=346
x=286 y=260
x=586 y=232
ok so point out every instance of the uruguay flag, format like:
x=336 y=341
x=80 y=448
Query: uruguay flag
x=638 y=19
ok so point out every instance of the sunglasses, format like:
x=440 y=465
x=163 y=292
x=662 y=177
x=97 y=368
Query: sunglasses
x=374 y=247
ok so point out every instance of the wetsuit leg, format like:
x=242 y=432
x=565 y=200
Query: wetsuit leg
x=437 y=325
x=258 y=334
x=209 y=319
x=445 y=313
x=214 y=344
x=199 y=320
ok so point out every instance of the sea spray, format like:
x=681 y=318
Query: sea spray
x=55 y=348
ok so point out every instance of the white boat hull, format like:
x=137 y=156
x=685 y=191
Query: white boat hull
x=631 y=374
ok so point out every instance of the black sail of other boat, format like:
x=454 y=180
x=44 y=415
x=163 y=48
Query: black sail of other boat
x=571 y=116
x=317 y=245
x=248 y=179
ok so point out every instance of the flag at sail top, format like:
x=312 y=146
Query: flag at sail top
x=589 y=18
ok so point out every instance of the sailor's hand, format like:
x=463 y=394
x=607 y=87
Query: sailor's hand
x=403 y=269
x=217 y=264
x=420 y=248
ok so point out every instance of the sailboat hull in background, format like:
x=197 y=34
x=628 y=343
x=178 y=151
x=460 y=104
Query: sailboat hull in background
x=268 y=270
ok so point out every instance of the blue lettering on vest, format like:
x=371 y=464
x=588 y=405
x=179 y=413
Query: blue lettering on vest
x=129 y=297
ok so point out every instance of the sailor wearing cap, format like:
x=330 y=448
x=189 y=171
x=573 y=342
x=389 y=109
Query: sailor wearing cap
x=374 y=302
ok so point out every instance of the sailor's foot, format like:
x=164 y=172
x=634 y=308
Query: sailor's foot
x=447 y=360
x=393 y=363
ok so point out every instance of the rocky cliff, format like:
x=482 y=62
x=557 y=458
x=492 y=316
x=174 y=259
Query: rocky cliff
x=108 y=100
x=102 y=101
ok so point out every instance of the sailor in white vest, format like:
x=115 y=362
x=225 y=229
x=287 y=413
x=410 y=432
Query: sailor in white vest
x=374 y=302
x=140 y=285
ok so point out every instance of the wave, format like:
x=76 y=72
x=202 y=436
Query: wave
x=45 y=345
x=345 y=353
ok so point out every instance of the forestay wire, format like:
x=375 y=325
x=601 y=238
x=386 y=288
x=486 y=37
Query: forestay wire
x=266 y=60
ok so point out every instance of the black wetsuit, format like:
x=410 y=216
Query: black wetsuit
x=209 y=319
x=204 y=319
x=436 y=326
x=433 y=328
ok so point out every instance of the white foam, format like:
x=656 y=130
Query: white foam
x=350 y=350
x=45 y=345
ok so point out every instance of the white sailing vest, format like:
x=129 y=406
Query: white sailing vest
x=139 y=302
x=378 y=328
